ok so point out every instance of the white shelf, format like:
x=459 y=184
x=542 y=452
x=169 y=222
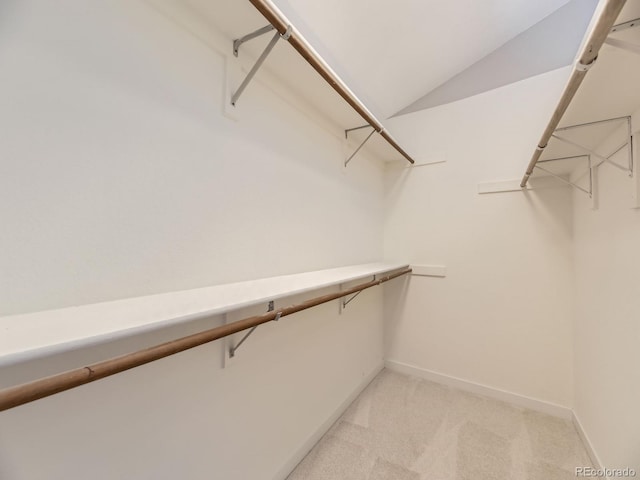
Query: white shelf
x=609 y=91
x=32 y=335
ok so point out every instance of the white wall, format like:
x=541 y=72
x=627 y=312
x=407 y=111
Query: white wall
x=187 y=417
x=119 y=177
x=502 y=316
x=607 y=308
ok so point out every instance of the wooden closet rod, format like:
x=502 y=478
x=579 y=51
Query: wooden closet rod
x=598 y=35
x=44 y=387
x=297 y=41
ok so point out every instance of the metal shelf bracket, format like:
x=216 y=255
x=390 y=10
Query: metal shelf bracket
x=590 y=155
x=234 y=349
x=603 y=159
x=261 y=59
x=346 y=302
x=623 y=26
x=614 y=42
x=250 y=36
x=361 y=145
x=564 y=180
x=346 y=132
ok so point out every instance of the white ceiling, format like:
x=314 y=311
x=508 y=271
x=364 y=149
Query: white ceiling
x=392 y=53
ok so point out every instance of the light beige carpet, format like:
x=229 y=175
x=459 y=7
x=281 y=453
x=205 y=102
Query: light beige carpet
x=406 y=428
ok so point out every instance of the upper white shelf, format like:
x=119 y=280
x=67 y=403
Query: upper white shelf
x=32 y=335
x=608 y=92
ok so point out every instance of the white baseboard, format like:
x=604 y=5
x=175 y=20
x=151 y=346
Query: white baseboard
x=509 y=397
x=587 y=443
x=314 y=438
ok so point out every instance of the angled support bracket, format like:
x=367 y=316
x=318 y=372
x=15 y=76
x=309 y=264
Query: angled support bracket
x=574 y=185
x=250 y=36
x=623 y=26
x=588 y=171
x=346 y=302
x=361 y=145
x=602 y=158
x=629 y=142
x=589 y=154
x=234 y=349
x=259 y=62
x=346 y=132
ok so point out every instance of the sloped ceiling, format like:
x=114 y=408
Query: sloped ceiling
x=393 y=53
x=550 y=44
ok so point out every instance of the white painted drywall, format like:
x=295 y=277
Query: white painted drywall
x=187 y=417
x=119 y=177
x=502 y=316
x=607 y=309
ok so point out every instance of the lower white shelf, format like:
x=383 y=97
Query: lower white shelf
x=36 y=334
